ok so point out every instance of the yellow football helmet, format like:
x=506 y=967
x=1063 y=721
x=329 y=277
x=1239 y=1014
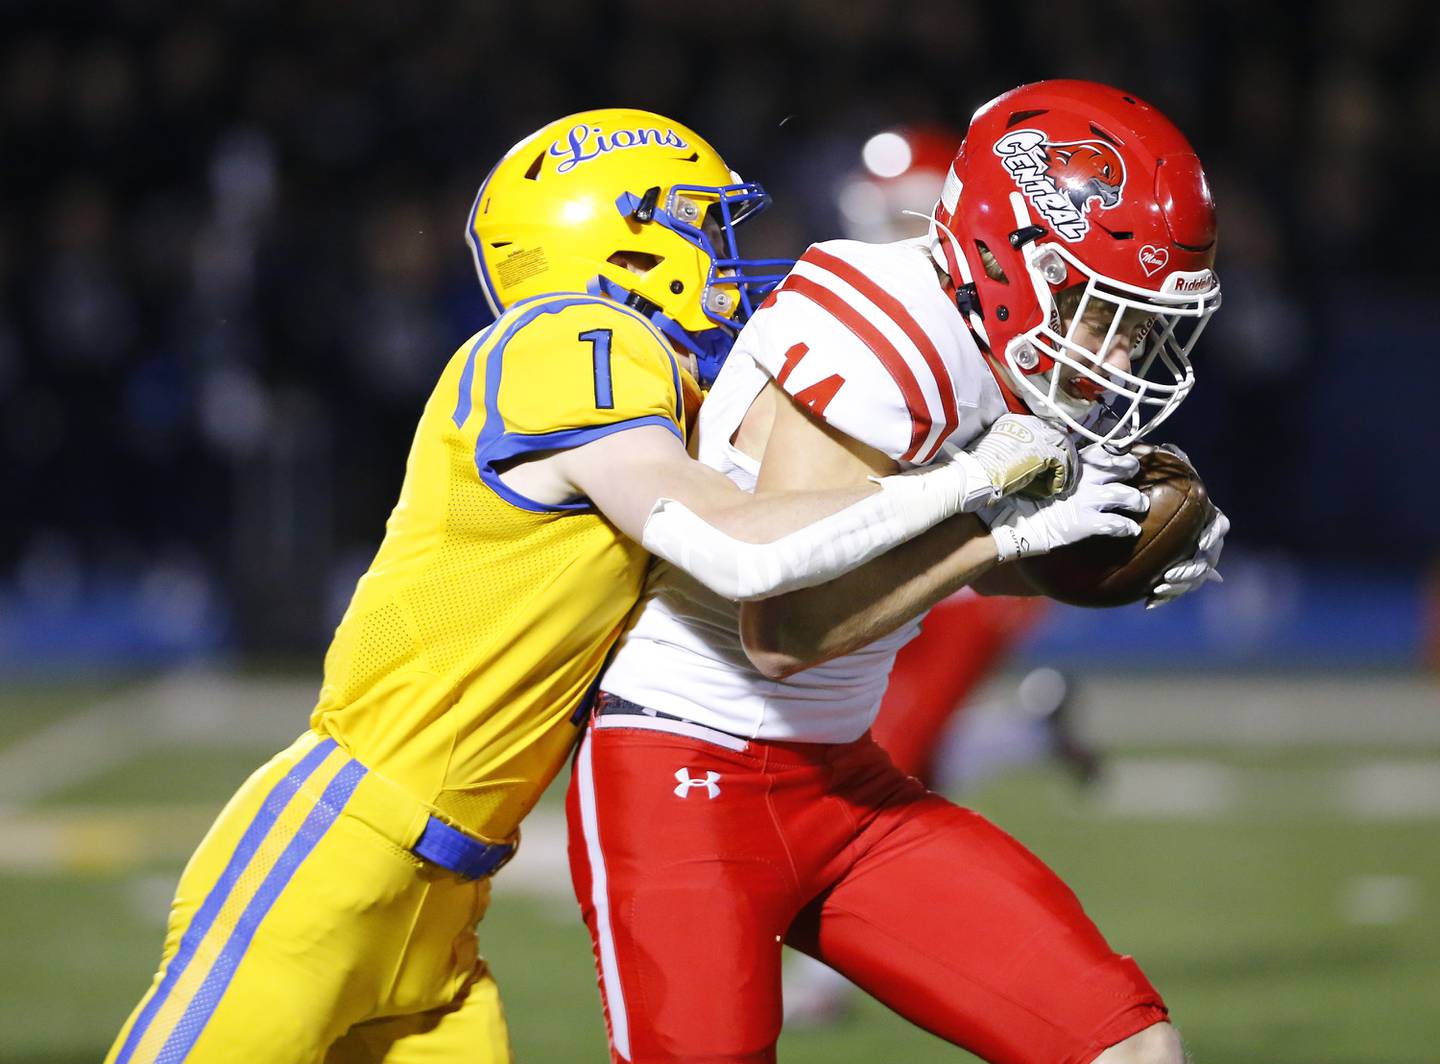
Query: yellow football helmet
x=569 y=205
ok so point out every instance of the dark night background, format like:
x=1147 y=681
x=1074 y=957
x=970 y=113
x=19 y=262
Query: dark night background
x=231 y=266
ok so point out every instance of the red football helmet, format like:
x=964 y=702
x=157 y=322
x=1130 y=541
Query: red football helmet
x=891 y=194
x=1077 y=187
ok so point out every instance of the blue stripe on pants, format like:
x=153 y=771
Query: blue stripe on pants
x=270 y=810
x=213 y=988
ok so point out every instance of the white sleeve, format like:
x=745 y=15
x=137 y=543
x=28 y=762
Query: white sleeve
x=907 y=504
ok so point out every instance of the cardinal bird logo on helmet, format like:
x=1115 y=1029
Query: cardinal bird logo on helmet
x=1063 y=179
x=1088 y=170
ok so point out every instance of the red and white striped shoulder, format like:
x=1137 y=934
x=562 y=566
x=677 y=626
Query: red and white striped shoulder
x=865 y=336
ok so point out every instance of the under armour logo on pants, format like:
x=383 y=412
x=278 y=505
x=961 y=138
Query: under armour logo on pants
x=682 y=789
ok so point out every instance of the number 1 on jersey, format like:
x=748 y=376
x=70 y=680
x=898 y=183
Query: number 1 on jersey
x=599 y=340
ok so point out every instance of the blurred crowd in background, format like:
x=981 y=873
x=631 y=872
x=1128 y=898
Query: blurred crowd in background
x=232 y=265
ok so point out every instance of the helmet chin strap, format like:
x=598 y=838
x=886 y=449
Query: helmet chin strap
x=709 y=346
x=972 y=315
x=1013 y=402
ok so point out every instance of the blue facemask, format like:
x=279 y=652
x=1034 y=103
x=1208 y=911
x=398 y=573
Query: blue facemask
x=747 y=281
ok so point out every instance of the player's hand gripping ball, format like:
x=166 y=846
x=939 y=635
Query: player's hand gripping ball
x=1113 y=571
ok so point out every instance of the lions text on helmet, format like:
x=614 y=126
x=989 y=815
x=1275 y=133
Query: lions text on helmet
x=583 y=143
x=1078 y=229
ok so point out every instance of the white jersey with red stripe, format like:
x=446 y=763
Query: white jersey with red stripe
x=865 y=337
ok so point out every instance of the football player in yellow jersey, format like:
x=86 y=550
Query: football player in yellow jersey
x=330 y=913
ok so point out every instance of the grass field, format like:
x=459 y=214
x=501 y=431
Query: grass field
x=1284 y=896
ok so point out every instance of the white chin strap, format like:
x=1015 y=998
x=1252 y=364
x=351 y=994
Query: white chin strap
x=937 y=227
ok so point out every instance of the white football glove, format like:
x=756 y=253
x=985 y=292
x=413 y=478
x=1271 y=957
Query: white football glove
x=1197 y=570
x=1023 y=527
x=1020 y=452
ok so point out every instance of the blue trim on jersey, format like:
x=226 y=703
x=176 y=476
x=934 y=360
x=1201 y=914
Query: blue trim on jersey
x=463 y=401
x=511 y=445
x=494 y=359
x=275 y=802
x=582 y=711
x=494 y=444
x=679 y=391
x=317 y=823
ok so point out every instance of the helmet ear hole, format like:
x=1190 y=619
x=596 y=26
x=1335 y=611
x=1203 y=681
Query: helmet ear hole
x=993 y=269
x=640 y=262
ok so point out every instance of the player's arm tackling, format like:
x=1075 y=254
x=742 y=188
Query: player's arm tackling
x=748 y=546
x=790 y=632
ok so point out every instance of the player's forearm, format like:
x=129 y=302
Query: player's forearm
x=787 y=633
x=1004 y=580
x=819 y=545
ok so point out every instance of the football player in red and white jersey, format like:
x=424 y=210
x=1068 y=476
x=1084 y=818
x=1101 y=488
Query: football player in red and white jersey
x=728 y=795
x=889 y=198
x=966 y=636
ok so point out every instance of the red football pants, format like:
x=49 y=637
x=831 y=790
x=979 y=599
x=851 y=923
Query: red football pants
x=961 y=639
x=693 y=861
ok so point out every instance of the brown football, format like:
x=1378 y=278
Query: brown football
x=1112 y=571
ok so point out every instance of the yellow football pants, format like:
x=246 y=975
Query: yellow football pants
x=304 y=929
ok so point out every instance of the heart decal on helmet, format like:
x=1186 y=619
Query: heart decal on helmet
x=1153 y=259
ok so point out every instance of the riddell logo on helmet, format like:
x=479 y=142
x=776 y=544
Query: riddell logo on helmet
x=1200 y=283
x=584 y=143
x=1061 y=179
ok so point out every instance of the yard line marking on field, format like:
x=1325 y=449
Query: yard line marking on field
x=110 y=838
x=1390 y=790
x=1168 y=788
x=1379 y=900
x=185 y=708
x=107 y=838
x=217 y=709
x=99 y=838
x=1206 y=709
x=75 y=748
x=542 y=864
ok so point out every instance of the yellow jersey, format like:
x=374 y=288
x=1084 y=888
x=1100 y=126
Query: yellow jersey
x=472 y=643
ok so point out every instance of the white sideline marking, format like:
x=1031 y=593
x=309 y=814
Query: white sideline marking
x=1375 y=901
x=1390 y=790
x=1267 y=711
x=187 y=709
x=1168 y=788
x=198 y=709
x=73 y=749
x=99 y=838
x=542 y=864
